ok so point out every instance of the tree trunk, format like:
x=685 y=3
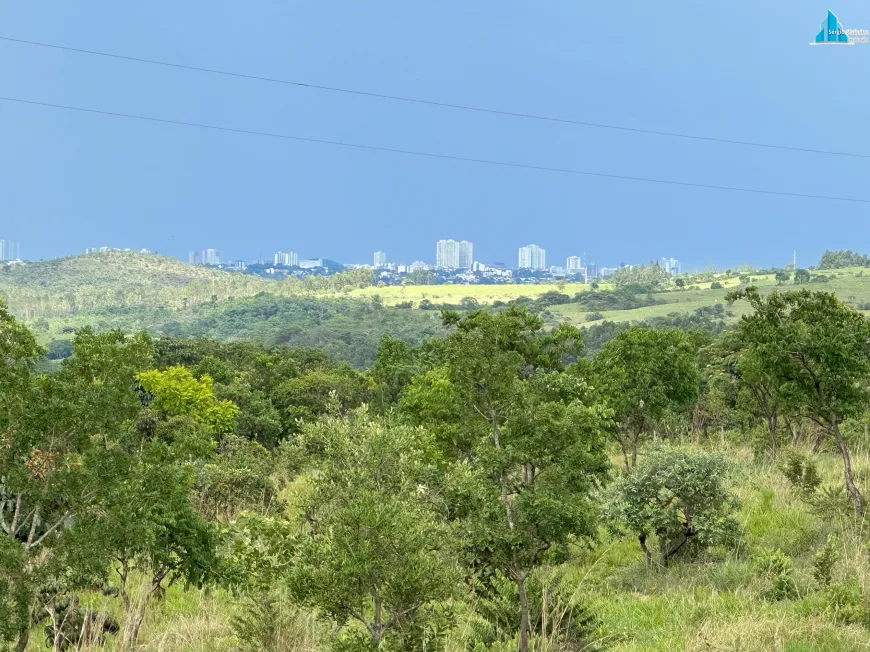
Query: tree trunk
x=23 y=638
x=851 y=488
x=634 y=451
x=646 y=552
x=524 y=615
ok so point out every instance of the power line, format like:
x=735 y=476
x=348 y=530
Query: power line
x=448 y=105
x=447 y=157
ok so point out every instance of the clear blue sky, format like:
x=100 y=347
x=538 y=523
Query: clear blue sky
x=739 y=70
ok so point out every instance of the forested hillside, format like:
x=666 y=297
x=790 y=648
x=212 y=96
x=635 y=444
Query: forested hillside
x=115 y=279
x=503 y=486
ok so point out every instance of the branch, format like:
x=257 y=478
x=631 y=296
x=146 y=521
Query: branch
x=50 y=530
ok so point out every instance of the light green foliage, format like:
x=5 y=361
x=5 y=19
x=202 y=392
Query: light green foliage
x=643 y=372
x=376 y=549
x=177 y=393
x=778 y=569
x=846 y=604
x=679 y=497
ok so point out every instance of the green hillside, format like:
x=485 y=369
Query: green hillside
x=117 y=279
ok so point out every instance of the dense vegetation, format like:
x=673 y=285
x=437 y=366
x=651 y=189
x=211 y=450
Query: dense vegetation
x=843 y=258
x=496 y=487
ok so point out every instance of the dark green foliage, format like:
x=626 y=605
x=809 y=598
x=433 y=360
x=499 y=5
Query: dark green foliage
x=842 y=258
x=678 y=497
x=801 y=276
x=619 y=299
x=824 y=562
x=802 y=473
x=641 y=373
x=553 y=606
x=715 y=285
x=814 y=352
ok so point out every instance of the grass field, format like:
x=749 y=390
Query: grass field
x=718 y=602
x=851 y=285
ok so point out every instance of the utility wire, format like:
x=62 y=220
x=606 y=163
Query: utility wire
x=463 y=107
x=447 y=157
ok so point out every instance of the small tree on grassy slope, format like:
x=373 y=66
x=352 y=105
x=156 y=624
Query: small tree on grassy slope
x=677 y=496
x=642 y=372
x=817 y=352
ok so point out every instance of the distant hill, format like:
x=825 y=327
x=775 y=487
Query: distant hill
x=116 y=279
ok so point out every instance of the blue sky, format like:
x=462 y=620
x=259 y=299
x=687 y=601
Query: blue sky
x=735 y=70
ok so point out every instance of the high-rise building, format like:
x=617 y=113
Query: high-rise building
x=466 y=254
x=671 y=265
x=573 y=265
x=9 y=250
x=287 y=258
x=192 y=257
x=447 y=254
x=452 y=254
x=380 y=259
x=532 y=257
x=210 y=257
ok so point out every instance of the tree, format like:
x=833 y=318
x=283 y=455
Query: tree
x=816 y=351
x=62 y=451
x=640 y=278
x=642 y=372
x=781 y=277
x=801 y=276
x=678 y=497
x=680 y=283
x=377 y=549
x=527 y=438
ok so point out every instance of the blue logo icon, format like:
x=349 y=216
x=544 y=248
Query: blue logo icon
x=833 y=33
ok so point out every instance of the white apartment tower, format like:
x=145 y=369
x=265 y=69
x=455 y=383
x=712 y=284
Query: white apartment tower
x=450 y=254
x=380 y=259
x=532 y=257
x=287 y=258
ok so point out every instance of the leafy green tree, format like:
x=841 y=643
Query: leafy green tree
x=528 y=438
x=781 y=277
x=377 y=550
x=640 y=278
x=642 y=372
x=816 y=351
x=842 y=258
x=62 y=449
x=149 y=523
x=801 y=276
x=677 y=496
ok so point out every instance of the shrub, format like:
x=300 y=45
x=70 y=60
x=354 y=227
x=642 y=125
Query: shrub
x=778 y=567
x=824 y=562
x=594 y=316
x=715 y=285
x=846 y=604
x=802 y=473
x=677 y=496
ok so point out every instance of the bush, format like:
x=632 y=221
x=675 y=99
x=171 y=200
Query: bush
x=715 y=285
x=779 y=569
x=846 y=604
x=677 y=496
x=824 y=562
x=802 y=473
x=594 y=316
